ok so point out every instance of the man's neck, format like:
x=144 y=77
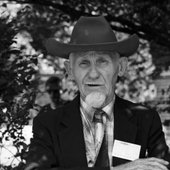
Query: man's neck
x=89 y=111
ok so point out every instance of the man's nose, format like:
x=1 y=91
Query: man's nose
x=93 y=73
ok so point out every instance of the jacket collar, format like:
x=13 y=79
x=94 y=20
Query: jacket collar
x=71 y=136
x=89 y=112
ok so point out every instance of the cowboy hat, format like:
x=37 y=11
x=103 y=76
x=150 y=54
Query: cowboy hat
x=92 y=34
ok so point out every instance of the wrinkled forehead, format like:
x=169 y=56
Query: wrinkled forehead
x=87 y=54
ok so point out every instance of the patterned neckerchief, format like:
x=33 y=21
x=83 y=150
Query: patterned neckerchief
x=88 y=129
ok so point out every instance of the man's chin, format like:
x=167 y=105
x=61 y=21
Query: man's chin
x=86 y=93
x=89 y=91
x=95 y=99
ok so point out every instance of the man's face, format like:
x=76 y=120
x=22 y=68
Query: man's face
x=95 y=72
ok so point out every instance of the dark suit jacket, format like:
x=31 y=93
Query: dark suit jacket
x=58 y=139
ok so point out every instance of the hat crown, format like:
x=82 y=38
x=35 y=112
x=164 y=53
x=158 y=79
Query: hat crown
x=92 y=30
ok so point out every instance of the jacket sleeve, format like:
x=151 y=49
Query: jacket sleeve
x=40 y=151
x=157 y=146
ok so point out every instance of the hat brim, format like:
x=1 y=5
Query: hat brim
x=125 y=47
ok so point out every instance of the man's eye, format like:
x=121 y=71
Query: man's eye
x=102 y=61
x=84 y=63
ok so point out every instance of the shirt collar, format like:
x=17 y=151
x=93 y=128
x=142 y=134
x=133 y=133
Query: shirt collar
x=89 y=112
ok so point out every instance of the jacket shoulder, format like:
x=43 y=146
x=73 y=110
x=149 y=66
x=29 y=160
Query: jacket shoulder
x=137 y=109
x=49 y=117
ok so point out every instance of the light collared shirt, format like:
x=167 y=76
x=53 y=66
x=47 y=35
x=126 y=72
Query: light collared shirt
x=88 y=129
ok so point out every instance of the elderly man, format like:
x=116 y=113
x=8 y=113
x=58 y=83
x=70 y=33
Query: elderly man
x=97 y=130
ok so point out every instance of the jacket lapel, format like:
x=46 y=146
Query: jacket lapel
x=124 y=129
x=124 y=126
x=71 y=137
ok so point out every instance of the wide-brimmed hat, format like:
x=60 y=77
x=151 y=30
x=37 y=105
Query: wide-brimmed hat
x=92 y=34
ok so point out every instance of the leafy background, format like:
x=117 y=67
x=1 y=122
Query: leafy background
x=25 y=64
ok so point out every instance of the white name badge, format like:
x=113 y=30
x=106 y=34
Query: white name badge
x=125 y=150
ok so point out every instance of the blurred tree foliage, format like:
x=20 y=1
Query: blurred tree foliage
x=150 y=20
x=17 y=87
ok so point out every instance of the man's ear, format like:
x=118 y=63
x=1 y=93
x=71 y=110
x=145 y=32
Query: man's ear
x=123 y=63
x=68 y=69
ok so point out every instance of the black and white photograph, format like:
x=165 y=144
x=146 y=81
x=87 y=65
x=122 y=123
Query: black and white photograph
x=84 y=85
